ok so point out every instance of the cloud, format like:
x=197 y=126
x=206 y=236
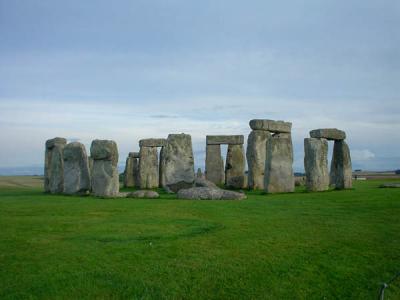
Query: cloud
x=360 y=155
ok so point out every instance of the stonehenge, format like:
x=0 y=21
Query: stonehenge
x=177 y=163
x=54 y=165
x=233 y=176
x=270 y=156
x=316 y=160
x=76 y=170
x=105 y=177
x=131 y=178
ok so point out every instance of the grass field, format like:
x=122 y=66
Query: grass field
x=329 y=245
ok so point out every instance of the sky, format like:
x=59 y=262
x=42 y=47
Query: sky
x=127 y=70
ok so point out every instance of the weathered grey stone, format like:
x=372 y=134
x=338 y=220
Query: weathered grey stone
x=328 y=133
x=214 y=164
x=225 y=139
x=201 y=182
x=90 y=161
x=341 y=170
x=206 y=193
x=161 y=170
x=57 y=140
x=54 y=165
x=134 y=154
x=316 y=164
x=279 y=176
x=104 y=150
x=148 y=168
x=76 y=169
x=299 y=180
x=178 y=163
x=144 y=194
x=271 y=126
x=199 y=174
x=105 y=178
x=152 y=142
x=131 y=178
x=234 y=168
x=256 y=157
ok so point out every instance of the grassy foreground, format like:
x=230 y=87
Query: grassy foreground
x=329 y=245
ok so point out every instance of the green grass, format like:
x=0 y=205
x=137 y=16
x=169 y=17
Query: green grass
x=329 y=245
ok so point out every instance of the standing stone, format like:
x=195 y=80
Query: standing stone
x=148 y=168
x=234 y=169
x=279 y=176
x=256 y=157
x=76 y=169
x=161 y=168
x=214 y=164
x=178 y=163
x=54 y=165
x=105 y=178
x=341 y=169
x=199 y=174
x=131 y=171
x=316 y=164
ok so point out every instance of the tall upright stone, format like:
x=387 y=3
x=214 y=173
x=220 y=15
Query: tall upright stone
x=341 y=169
x=54 y=165
x=256 y=157
x=214 y=164
x=105 y=178
x=234 y=168
x=148 y=168
x=161 y=168
x=279 y=177
x=76 y=170
x=178 y=162
x=131 y=170
x=316 y=164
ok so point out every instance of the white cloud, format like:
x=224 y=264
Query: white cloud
x=364 y=154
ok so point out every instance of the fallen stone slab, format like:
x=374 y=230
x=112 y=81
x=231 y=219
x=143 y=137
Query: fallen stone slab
x=201 y=182
x=152 y=142
x=390 y=185
x=143 y=194
x=271 y=126
x=328 y=133
x=225 y=139
x=207 y=193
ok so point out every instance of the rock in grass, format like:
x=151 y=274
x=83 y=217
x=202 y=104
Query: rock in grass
x=390 y=185
x=207 y=193
x=143 y=194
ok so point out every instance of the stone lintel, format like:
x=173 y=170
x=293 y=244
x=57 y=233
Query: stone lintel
x=328 y=133
x=271 y=125
x=152 y=142
x=225 y=139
